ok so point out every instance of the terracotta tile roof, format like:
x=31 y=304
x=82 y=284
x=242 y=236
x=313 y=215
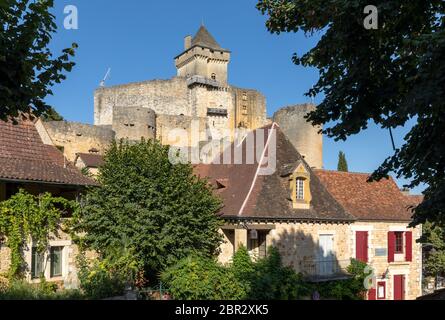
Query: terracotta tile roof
x=270 y=195
x=91 y=160
x=413 y=200
x=23 y=156
x=366 y=201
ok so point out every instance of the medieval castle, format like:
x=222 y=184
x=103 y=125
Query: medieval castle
x=199 y=95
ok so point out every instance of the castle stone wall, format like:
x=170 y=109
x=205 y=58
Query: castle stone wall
x=134 y=123
x=79 y=138
x=304 y=137
x=162 y=96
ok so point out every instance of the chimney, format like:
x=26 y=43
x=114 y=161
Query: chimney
x=187 y=42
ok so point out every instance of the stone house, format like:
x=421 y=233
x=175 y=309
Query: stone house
x=90 y=161
x=29 y=161
x=317 y=219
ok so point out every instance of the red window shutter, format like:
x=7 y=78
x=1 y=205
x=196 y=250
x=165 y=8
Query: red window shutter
x=372 y=294
x=391 y=245
x=409 y=246
x=361 y=246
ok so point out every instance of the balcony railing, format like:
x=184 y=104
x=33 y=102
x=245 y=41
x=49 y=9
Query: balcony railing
x=324 y=270
x=203 y=80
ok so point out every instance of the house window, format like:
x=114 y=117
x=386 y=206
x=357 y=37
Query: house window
x=37 y=262
x=399 y=243
x=56 y=261
x=300 y=188
x=258 y=244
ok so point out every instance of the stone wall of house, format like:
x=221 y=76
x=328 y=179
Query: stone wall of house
x=69 y=278
x=297 y=242
x=79 y=138
x=5 y=259
x=299 y=245
x=304 y=137
x=378 y=240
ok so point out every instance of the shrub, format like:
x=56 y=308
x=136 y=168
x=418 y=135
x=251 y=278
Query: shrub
x=98 y=280
x=201 y=278
x=272 y=281
x=349 y=289
x=198 y=278
x=21 y=290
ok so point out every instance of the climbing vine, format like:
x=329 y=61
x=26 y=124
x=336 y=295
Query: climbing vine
x=26 y=217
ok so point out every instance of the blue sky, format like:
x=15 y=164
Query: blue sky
x=138 y=39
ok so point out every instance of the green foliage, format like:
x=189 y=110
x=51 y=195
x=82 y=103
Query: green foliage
x=349 y=289
x=434 y=236
x=163 y=211
x=342 y=163
x=28 y=69
x=272 y=281
x=24 y=216
x=202 y=278
x=100 y=279
x=51 y=115
x=389 y=76
x=86 y=172
x=22 y=290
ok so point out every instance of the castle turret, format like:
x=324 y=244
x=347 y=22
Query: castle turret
x=304 y=137
x=203 y=57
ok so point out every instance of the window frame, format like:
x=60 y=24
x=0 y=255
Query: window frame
x=54 y=274
x=299 y=189
x=399 y=242
x=34 y=259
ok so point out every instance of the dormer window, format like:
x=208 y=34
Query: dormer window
x=300 y=189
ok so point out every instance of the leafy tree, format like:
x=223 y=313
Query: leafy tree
x=342 y=163
x=434 y=236
x=389 y=76
x=23 y=216
x=161 y=211
x=51 y=115
x=28 y=69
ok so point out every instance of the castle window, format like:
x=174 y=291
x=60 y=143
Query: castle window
x=300 y=188
x=245 y=96
x=213 y=76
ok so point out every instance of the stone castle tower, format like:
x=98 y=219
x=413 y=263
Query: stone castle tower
x=199 y=95
x=203 y=57
x=199 y=99
x=303 y=136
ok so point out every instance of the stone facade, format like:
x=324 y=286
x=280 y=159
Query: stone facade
x=75 y=138
x=297 y=242
x=384 y=270
x=300 y=248
x=70 y=251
